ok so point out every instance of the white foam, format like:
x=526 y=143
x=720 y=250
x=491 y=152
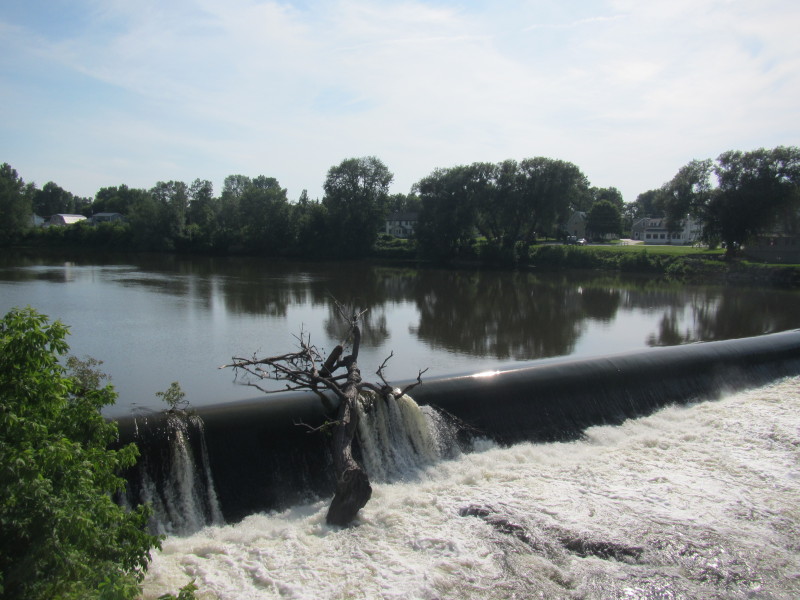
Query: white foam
x=705 y=499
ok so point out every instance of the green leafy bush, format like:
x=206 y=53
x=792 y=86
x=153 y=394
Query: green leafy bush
x=63 y=536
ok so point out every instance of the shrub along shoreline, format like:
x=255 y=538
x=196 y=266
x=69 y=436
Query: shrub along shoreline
x=678 y=263
x=675 y=263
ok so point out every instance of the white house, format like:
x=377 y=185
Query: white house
x=401 y=224
x=654 y=230
x=576 y=224
x=63 y=219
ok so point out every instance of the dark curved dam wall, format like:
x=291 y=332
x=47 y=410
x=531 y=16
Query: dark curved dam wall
x=261 y=459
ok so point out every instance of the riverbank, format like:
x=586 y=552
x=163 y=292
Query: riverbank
x=677 y=263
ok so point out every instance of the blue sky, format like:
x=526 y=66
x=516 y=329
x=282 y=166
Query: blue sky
x=96 y=93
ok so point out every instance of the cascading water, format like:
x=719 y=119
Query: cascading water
x=174 y=475
x=696 y=501
x=263 y=461
x=396 y=436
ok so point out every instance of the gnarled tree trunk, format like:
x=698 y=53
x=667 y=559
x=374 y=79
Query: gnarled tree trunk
x=306 y=369
x=353 y=490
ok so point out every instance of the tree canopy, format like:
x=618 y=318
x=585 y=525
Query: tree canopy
x=63 y=536
x=739 y=195
x=508 y=203
x=357 y=201
x=479 y=210
x=603 y=219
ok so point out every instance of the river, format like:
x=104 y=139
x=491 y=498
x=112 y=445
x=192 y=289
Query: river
x=153 y=320
x=695 y=502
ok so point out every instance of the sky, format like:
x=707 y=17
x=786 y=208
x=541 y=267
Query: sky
x=97 y=93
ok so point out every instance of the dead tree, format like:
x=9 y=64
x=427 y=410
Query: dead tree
x=308 y=369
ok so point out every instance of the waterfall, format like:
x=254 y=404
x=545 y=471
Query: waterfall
x=396 y=436
x=263 y=461
x=173 y=474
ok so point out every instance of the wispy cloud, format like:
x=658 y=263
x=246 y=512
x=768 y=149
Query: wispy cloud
x=627 y=90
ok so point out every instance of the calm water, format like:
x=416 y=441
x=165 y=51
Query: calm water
x=154 y=320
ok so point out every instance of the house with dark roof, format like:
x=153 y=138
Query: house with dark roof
x=401 y=224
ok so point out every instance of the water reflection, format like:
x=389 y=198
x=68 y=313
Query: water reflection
x=489 y=314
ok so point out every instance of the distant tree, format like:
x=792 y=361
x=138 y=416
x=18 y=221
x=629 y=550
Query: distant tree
x=202 y=209
x=16 y=205
x=308 y=225
x=739 y=195
x=172 y=198
x=688 y=193
x=52 y=199
x=508 y=203
x=231 y=219
x=603 y=219
x=150 y=226
x=446 y=225
x=647 y=204
x=63 y=536
x=404 y=203
x=264 y=209
x=756 y=191
x=356 y=198
x=611 y=194
x=119 y=199
x=553 y=190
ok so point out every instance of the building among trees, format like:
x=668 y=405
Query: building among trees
x=64 y=219
x=657 y=230
x=401 y=224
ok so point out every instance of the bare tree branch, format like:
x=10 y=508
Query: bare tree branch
x=308 y=369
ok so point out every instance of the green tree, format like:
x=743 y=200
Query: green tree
x=404 y=203
x=688 y=193
x=264 y=210
x=202 y=204
x=308 y=224
x=120 y=199
x=172 y=198
x=611 y=194
x=739 y=195
x=62 y=534
x=603 y=219
x=15 y=205
x=553 y=189
x=52 y=199
x=647 y=204
x=447 y=221
x=757 y=191
x=356 y=198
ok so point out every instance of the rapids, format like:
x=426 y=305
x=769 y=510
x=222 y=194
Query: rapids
x=698 y=501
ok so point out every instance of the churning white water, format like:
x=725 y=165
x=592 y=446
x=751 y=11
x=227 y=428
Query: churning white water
x=692 y=502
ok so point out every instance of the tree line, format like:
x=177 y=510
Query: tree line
x=488 y=210
x=735 y=197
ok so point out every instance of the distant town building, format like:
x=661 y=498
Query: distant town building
x=401 y=224
x=106 y=217
x=576 y=225
x=63 y=219
x=654 y=230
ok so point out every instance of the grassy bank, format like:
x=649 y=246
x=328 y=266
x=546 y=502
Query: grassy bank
x=675 y=262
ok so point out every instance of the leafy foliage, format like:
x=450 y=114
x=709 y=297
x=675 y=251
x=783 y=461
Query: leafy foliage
x=185 y=593
x=174 y=396
x=603 y=218
x=738 y=196
x=63 y=536
x=357 y=200
x=510 y=204
x=15 y=204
